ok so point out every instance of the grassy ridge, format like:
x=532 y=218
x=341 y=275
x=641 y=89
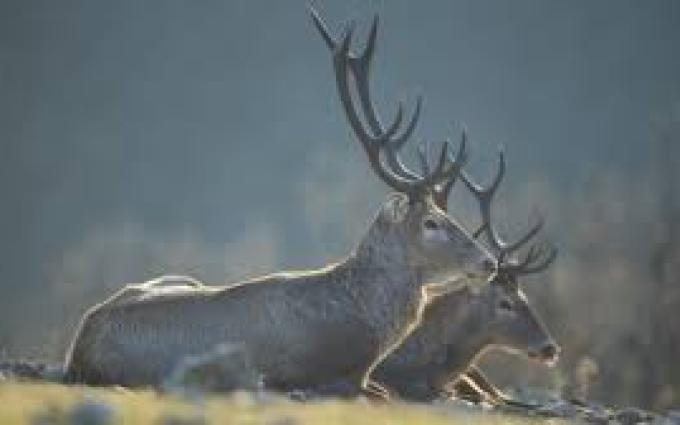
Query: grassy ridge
x=26 y=403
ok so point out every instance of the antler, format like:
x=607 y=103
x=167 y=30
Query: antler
x=536 y=259
x=442 y=191
x=532 y=262
x=377 y=138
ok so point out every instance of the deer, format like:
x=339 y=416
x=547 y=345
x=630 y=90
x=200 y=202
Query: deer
x=300 y=329
x=437 y=358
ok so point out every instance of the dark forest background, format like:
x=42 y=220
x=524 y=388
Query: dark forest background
x=205 y=138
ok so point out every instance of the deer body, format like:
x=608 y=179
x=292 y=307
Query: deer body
x=139 y=336
x=456 y=330
x=300 y=330
x=297 y=329
x=460 y=325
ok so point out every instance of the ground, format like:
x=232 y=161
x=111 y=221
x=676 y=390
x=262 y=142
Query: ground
x=54 y=404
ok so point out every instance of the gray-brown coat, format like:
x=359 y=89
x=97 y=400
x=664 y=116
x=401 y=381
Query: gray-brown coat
x=298 y=329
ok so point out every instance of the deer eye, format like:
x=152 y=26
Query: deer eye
x=430 y=224
x=505 y=304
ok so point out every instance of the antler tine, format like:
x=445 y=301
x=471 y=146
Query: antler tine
x=392 y=148
x=376 y=138
x=321 y=27
x=446 y=169
x=442 y=191
x=360 y=67
x=370 y=144
x=424 y=158
x=441 y=172
x=533 y=231
x=547 y=261
x=532 y=255
x=529 y=264
x=387 y=134
x=406 y=135
x=484 y=197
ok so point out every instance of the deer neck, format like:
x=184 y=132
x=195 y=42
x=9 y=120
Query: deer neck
x=386 y=288
x=444 y=343
x=468 y=338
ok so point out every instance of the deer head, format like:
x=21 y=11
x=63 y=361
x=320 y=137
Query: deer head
x=432 y=243
x=459 y=326
x=505 y=312
x=509 y=323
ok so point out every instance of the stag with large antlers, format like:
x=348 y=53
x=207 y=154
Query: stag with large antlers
x=458 y=328
x=304 y=328
x=438 y=358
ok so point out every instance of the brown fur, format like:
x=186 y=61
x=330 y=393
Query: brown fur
x=457 y=329
x=298 y=329
x=454 y=331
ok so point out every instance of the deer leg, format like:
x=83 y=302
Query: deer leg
x=474 y=386
x=482 y=383
x=466 y=388
x=375 y=391
x=490 y=391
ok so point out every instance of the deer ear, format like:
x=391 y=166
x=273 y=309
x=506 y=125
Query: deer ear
x=396 y=208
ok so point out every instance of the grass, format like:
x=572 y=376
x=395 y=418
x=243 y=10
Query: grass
x=27 y=403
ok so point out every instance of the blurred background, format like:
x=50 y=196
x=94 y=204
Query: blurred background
x=205 y=138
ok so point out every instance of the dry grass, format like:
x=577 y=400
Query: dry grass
x=24 y=403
